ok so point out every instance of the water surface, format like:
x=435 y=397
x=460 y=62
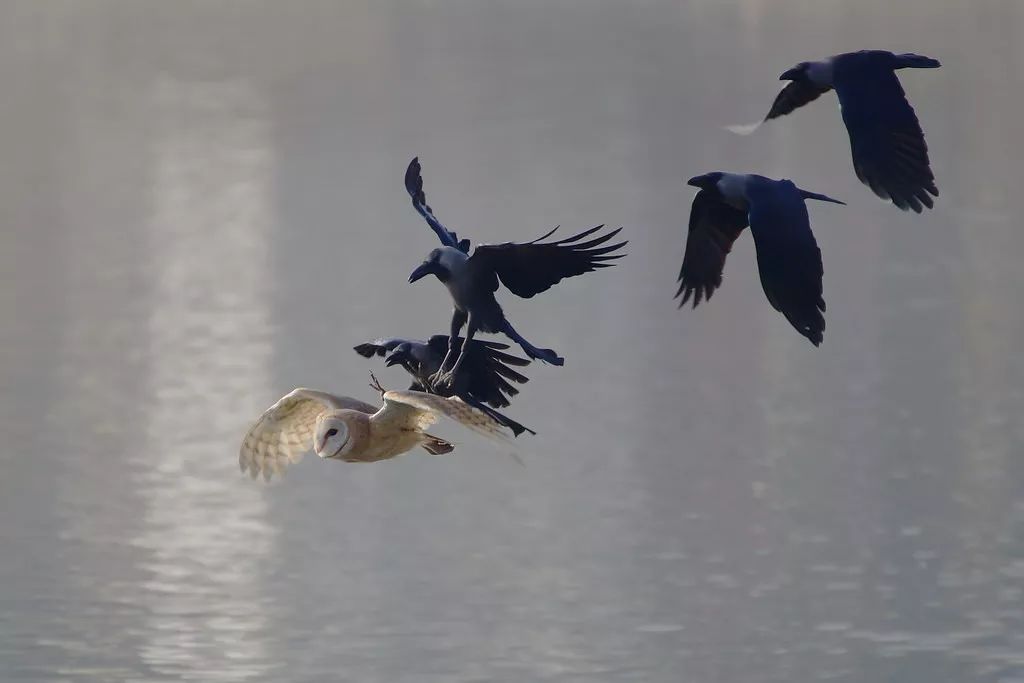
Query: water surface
x=202 y=208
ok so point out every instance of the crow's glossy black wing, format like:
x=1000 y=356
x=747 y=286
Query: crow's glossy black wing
x=788 y=258
x=796 y=94
x=438 y=345
x=378 y=347
x=414 y=186
x=493 y=383
x=485 y=373
x=714 y=226
x=531 y=268
x=889 y=152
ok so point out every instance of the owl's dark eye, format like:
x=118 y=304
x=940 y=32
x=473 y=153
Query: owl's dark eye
x=331 y=432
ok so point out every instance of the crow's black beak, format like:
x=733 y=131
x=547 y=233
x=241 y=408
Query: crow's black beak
x=697 y=181
x=791 y=75
x=425 y=269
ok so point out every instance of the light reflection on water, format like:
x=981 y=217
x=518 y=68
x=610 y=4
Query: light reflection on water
x=205 y=538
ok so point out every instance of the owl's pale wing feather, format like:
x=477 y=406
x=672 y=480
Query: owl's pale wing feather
x=404 y=415
x=284 y=433
x=427 y=408
x=334 y=402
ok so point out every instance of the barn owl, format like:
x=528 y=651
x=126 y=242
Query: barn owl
x=343 y=428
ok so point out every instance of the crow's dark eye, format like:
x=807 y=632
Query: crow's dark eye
x=331 y=432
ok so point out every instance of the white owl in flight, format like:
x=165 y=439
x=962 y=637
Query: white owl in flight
x=343 y=428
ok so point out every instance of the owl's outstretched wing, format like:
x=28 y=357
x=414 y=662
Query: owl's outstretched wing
x=284 y=433
x=423 y=410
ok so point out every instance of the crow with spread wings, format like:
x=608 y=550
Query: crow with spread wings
x=525 y=269
x=890 y=155
x=788 y=257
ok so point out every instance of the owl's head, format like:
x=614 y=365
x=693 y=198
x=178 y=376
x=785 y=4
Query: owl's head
x=333 y=437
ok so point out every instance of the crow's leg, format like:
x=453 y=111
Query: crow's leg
x=446 y=380
x=458 y=320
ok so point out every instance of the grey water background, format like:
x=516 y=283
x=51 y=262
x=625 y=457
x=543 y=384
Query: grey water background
x=201 y=208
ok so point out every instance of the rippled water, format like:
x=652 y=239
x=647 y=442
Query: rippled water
x=202 y=208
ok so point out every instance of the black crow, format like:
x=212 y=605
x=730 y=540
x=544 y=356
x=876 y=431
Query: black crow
x=483 y=382
x=525 y=269
x=889 y=152
x=788 y=258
